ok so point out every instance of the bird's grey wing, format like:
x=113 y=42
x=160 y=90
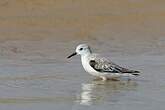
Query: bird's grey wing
x=104 y=65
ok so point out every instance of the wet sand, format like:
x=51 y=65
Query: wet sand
x=37 y=35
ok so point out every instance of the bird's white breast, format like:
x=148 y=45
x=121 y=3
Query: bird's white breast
x=85 y=62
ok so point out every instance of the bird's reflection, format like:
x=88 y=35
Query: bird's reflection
x=99 y=91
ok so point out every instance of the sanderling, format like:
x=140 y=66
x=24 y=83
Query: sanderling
x=99 y=66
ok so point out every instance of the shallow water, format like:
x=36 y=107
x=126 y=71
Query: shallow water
x=64 y=85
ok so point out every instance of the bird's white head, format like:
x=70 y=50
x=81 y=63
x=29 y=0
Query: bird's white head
x=82 y=49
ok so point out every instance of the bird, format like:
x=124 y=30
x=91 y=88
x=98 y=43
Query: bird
x=101 y=67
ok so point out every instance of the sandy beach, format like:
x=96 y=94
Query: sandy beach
x=27 y=26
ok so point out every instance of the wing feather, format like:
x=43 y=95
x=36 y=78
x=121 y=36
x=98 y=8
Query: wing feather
x=104 y=65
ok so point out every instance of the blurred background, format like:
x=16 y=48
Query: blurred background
x=52 y=28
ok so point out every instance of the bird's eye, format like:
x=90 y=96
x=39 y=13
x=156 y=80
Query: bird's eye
x=81 y=49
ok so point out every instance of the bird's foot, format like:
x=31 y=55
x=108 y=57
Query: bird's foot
x=110 y=79
x=104 y=78
x=97 y=79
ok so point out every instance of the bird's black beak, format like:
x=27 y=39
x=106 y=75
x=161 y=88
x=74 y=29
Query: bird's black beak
x=73 y=54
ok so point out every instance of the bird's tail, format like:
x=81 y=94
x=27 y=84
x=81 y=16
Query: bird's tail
x=135 y=73
x=132 y=72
